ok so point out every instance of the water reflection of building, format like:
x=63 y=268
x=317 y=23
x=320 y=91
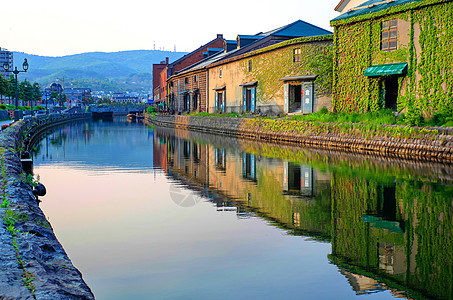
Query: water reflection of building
x=251 y=184
x=387 y=233
x=396 y=230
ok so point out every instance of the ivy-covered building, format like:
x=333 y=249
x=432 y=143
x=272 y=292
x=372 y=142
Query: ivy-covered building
x=394 y=54
x=273 y=80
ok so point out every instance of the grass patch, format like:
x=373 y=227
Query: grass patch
x=381 y=117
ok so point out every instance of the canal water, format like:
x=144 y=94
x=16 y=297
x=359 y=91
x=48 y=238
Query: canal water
x=159 y=213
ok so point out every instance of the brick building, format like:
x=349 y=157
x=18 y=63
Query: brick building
x=188 y=89
x=157 y=69
x=180 y=64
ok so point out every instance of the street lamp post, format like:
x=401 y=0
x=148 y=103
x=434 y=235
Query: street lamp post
x=15 y=72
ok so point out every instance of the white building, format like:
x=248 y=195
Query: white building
x=5 y=57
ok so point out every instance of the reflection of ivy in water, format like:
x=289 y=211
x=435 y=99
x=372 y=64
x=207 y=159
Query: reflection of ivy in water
x=430 y=209
x=423 y=251
x=268 y=199
x=352 y=198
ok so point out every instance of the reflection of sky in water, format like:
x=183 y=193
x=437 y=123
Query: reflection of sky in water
x=130 y=240
x=102 y=147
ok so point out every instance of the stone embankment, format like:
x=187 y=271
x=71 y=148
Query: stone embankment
x=33 y=264
x=427 y=144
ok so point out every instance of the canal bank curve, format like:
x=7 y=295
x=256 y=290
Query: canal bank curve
x=33 y=264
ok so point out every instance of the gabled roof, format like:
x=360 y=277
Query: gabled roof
x=298 y=28
x=372 y=6
x=203 y=63
x=219 y=36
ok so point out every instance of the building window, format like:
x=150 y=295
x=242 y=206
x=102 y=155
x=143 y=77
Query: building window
x=186 y=80
x=195 y=78
x=220 y=100
x=249 y=166
x=297 y=55
x=220 y=159
x=389 y=35
x=220 y=73
x=250 y=66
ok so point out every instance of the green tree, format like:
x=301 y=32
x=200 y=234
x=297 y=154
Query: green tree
x=11 y=90
x=61 y=99
x=25 y=89
x=3 y=87
x=105 y=100
x=36 y=93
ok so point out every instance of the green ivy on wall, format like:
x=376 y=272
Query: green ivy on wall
x=428 y=86
x=268 y=69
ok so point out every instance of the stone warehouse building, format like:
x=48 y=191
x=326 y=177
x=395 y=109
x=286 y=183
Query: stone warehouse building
x=394 y=54
x=188 y=89
x=202 y=87
x=272 y=80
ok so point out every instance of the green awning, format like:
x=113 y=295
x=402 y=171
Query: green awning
x=387 y=69
x=378 y=222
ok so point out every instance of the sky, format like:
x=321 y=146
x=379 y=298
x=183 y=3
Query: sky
x=59 y=28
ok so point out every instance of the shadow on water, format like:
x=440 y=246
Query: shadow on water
x=390 y=222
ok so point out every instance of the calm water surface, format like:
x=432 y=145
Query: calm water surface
x=154 y=213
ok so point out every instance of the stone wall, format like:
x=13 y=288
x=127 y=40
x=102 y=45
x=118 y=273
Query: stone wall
x=33 y=264
x=429 y=144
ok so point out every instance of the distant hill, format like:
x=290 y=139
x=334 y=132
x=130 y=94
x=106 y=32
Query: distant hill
x=115 y=71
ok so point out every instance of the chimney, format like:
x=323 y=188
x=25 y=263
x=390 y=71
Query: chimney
x=166 y=60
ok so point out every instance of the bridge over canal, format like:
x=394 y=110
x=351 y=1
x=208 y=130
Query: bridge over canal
x=109 y=111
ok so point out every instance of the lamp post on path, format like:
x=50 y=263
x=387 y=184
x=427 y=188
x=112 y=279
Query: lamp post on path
x=15 y=72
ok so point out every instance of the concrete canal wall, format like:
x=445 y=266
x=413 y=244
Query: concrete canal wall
x=33 y=264
x=427 y=144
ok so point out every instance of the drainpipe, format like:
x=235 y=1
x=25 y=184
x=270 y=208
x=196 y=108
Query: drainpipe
x=207 y=91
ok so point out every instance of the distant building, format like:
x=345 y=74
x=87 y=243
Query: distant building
x=54 y=87
x=76 y=96
x=121 y=97
x=5 y=57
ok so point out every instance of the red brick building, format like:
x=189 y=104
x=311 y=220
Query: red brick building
x=157 y=69
x=160 y=89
